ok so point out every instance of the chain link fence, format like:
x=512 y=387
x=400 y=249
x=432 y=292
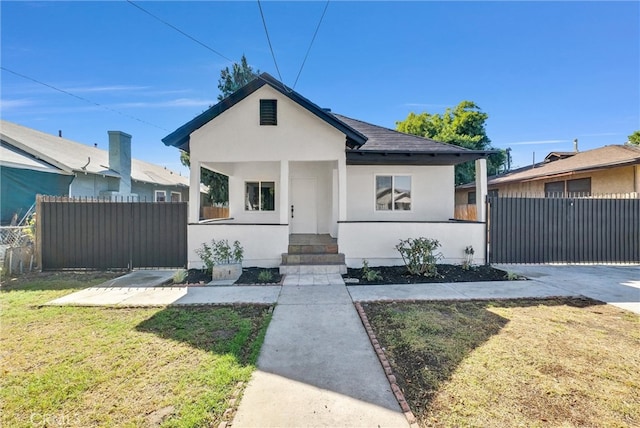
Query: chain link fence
x=14 y=237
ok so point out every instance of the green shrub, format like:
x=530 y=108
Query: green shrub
x=180 y=276
x=468 y=257
x=368 y=273
x=419 y=255
x=265 y=276
x=219 y=252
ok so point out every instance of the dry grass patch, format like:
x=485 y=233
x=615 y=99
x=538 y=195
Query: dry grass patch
x=533 y=363
x=70 y=366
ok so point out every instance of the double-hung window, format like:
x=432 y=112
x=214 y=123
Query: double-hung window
x=393 y=193
x=260 y=196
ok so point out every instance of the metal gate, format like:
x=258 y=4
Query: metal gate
x=569 y=230
x=98 y=234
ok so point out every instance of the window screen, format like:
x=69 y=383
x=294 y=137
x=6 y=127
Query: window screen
x=580 y=187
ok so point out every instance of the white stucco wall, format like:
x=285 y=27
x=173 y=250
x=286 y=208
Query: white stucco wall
x=253 y=171
x=376 y=241
x=263 y=244
x=237 y=136
x=432 y=193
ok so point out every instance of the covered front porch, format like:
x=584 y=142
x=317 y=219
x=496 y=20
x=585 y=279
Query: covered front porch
x=268 y=201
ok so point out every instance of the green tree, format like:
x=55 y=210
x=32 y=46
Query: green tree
x=229 y=82
x=234 y=79
x=463 y=126
x=218 y=184
x=634 y=138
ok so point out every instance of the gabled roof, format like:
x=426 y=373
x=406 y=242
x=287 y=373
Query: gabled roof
x=70 y=156
x=180 y=137
x=386 y=145
x=366 y=143
x=590 y=160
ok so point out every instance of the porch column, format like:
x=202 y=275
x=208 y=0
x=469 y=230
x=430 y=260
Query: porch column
x=194 y=191
x=342 y=189
x=481 y=189
x=284 y=192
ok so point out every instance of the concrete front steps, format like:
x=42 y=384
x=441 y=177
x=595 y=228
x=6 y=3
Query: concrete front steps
x=312 y=254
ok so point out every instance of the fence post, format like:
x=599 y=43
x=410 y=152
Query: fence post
x=39 y=219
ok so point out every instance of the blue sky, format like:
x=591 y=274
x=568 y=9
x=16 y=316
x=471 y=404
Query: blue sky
x=545 y=72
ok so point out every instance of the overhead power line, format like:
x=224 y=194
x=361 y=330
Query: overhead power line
x=264 y=22
x=81 y=98
x=311 y=44
x=179 y=31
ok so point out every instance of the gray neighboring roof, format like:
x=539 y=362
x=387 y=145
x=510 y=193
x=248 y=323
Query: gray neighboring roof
x=70 y=156
x=600 y=158
x=180 y=137
x=11 y=157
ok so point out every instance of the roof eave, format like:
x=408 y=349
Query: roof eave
x=395 y=157
x=180 y=137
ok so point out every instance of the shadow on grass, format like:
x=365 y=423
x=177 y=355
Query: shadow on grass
x=236 y=330
x=427 y=341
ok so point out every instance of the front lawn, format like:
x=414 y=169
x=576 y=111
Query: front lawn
x=534 y=363
x=72 y=366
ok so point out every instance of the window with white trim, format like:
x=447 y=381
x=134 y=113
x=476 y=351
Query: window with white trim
x=393 y=193
x=176 y=197
x=160 y=196
x=260 y=196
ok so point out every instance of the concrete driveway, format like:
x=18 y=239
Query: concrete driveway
x=618 y=285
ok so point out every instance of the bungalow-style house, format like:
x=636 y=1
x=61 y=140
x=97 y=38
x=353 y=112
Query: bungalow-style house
x=297 y=170
x=608 y=170
x=33 y=162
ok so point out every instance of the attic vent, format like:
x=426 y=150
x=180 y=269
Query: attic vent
x=268 y=112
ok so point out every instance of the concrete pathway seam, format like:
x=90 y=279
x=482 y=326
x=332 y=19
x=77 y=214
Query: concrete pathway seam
x=384 y=361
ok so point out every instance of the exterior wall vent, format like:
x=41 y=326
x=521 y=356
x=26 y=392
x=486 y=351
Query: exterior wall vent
x=268 y=112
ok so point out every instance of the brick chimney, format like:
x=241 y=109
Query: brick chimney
x=120 y=159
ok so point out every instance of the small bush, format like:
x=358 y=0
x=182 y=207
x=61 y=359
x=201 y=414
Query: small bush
x=468 y=257
x=368 y=273
x=265 y=276
x=180 y=276
x=419 y=255
x=219 y=252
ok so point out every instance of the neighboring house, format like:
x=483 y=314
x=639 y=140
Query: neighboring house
x=33 y=162
x=607 y=170
x=295 y=168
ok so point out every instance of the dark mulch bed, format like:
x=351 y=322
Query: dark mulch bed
x=249 y=276
x=446 y=273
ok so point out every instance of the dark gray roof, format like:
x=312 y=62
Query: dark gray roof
x=386 y=146
x=385 y=139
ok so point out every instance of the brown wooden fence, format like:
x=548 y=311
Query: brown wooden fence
x=569 y=230
x=96 y=234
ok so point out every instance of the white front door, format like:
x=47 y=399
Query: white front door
x=302 y=211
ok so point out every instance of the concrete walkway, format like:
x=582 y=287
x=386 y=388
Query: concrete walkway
x=317 y=367
x=617 y=285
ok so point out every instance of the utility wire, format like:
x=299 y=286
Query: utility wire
x=190 y=37
x=311 y=44
x=269 y=40
x=82 y=99
x=179 y=30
